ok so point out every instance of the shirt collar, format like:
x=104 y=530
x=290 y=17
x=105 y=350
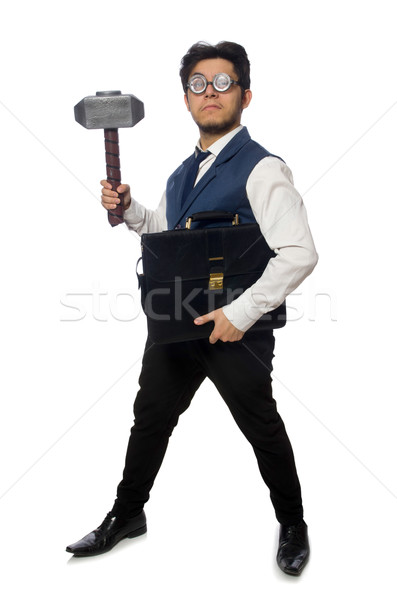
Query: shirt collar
x=217 y=147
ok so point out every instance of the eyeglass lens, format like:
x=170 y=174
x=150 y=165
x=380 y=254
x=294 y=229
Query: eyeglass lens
x=221 y=83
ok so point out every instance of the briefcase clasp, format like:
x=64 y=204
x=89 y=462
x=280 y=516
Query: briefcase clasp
x=216 y=281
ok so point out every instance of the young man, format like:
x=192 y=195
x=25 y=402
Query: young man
x=235 y=174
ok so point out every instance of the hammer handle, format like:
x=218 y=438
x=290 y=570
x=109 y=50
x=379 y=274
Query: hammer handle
x=115 y=216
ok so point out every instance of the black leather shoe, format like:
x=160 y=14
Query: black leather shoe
x=293 y=549
x=108 y=534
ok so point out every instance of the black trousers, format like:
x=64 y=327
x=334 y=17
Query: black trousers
x=241 y=371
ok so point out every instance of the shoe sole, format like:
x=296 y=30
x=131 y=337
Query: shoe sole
x=131 y=535
x=137 y=532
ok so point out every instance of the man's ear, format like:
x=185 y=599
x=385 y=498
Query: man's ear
x=187 y=102
x=246 y=99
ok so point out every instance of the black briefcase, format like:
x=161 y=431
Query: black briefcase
x=188 y=273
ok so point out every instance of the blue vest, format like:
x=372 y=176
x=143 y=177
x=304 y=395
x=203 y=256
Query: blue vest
x=223 y=187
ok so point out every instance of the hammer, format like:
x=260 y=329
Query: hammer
x=109 y=111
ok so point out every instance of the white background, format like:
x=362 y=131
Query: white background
x=325 y=99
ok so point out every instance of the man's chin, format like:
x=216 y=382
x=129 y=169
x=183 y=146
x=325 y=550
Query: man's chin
x=216 y=128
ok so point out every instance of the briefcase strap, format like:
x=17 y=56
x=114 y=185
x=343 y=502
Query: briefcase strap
x=139 y=275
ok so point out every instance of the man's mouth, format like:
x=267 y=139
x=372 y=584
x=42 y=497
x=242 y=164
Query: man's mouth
x=211 y=107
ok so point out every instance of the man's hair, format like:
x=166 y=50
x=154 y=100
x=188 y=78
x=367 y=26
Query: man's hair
x=230 y=51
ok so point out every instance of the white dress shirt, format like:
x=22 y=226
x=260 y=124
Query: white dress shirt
x=281 y=215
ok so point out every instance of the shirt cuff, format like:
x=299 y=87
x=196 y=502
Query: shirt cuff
x=244 y=312
x=132 y=217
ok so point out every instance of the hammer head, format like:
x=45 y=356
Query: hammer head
x=109 y=110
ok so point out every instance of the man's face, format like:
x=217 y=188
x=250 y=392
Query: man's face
x=216 y=113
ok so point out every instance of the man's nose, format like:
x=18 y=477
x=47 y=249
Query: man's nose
x=213 y=91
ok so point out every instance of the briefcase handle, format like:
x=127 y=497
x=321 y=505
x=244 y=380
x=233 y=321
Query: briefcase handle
x=212 y=215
